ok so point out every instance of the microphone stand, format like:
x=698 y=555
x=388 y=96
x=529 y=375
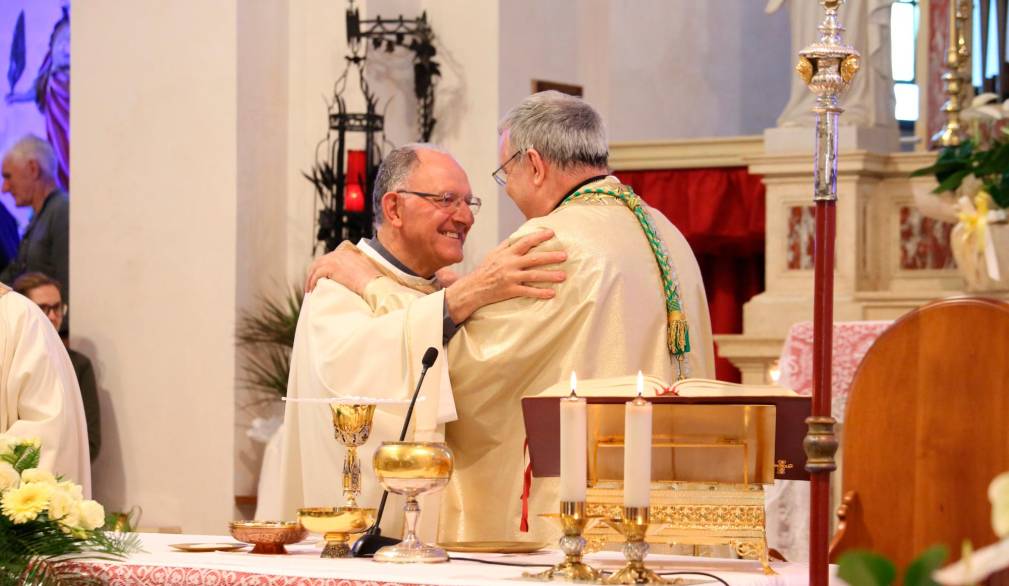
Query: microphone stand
x=373 y=540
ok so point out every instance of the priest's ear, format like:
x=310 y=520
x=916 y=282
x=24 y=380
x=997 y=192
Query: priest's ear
x=391 y=210
x=538 y=167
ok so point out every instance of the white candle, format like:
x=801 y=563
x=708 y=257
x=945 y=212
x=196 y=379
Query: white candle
x=573 y=447
x=637 y=450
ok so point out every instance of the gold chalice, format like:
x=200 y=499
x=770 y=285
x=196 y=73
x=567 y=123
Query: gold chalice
x=353 y=426
x=336 y=524
x=411 y=469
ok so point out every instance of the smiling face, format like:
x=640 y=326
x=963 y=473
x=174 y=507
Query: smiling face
x=433 y=236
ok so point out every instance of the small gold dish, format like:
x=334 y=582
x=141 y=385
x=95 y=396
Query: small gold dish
x=207 y=547
x=268 y=537
x=336 y=524
x=493 y=546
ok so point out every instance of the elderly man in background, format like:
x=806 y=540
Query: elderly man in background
x=29 y=175
x=367 y=336
x=39 y=397
x=633 y=300
x=45 y=292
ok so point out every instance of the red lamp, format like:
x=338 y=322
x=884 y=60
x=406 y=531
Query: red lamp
x=353 y=195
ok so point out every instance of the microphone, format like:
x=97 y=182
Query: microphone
x=373 y=540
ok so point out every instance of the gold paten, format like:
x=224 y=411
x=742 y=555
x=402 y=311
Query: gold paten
x=353 y=426
x=336 y=524
x=573 y=521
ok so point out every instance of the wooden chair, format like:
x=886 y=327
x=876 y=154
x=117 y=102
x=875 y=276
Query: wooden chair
x=926 y=430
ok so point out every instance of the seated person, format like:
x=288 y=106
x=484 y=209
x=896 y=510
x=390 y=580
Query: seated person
x=45 y=292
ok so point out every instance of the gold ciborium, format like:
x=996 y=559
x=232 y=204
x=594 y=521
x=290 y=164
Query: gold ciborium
x=336 y=524
x=411 y=469
x=353 y=426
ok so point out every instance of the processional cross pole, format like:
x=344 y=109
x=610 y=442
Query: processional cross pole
x=827 y=67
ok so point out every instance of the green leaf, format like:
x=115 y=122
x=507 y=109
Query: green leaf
x=952 y=182
x=919 y=571
x=864 y=568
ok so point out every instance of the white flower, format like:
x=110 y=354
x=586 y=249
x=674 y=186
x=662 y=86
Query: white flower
x=38 y=475
x=63 y=507
x=998 y=494
x=92 y=515
x=9 y=477
x=73 y=489
x=6 y=443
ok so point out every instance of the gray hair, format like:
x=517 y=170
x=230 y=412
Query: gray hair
x=395 y=169
x=565 y=130
x=32 y=148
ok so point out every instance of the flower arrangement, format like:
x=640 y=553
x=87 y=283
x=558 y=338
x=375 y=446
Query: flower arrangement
x=973 y=193
x=44 y=520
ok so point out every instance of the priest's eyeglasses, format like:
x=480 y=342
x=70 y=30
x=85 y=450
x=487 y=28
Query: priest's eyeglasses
x=448 y=200
x=500 y=175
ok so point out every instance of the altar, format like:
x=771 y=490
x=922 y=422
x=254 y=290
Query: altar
x=160 y=564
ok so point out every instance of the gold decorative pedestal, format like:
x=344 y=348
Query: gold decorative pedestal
x=633 y=525
x=353 y=427
x=690 y=513
x=573 y=521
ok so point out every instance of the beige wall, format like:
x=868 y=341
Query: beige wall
x=153 y=254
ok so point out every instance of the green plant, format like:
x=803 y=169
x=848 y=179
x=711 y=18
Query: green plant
x=866 y=568
x=267 y=336
x=984 y=156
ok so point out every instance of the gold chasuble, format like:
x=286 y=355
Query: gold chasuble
x=365 y=347
x=611 y=317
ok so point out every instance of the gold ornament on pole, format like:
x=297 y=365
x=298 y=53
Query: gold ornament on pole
x=957 y=77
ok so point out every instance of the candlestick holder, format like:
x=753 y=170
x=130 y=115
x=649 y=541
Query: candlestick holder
x=633 y=526
x=573 y=521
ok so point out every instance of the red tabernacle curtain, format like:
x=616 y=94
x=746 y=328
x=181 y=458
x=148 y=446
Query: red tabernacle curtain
x=721 y=213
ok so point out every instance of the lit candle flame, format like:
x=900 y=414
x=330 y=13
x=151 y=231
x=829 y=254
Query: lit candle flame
x=641 y=384
x=574 y=382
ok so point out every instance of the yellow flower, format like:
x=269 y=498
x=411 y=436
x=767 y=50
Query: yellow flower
x=9 y=477
x=92 y=515
x=75 y=490
x=38 y=475
x=24 y=504
x=998 y=494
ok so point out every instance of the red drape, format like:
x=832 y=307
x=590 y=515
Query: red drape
x=721 y=213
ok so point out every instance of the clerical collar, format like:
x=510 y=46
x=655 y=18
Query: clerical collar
x=384 y=252
x=579 y=186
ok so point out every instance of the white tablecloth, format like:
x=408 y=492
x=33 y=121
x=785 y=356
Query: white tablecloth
x=162 y=565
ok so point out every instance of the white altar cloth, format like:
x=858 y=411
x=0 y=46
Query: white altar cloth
x=159 y=564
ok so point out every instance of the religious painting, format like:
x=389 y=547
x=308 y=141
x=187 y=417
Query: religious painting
x=924 y=242
x=801 y=229
x=37 y=99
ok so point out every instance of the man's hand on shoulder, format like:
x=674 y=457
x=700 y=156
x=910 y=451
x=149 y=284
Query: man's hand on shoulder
x=347 y=267
x=506 y=273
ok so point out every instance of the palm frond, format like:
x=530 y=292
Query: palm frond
x=274 y=322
